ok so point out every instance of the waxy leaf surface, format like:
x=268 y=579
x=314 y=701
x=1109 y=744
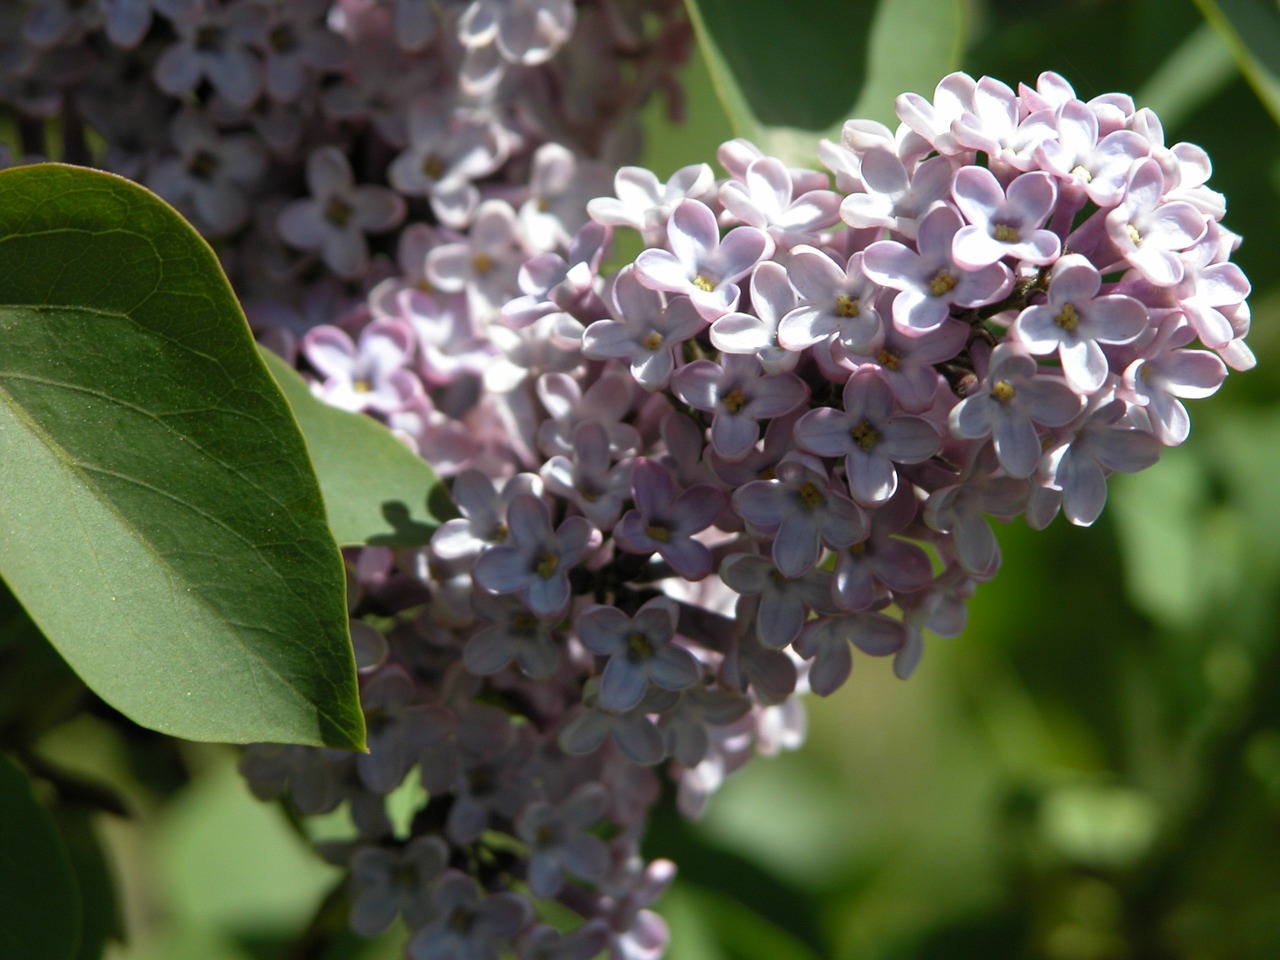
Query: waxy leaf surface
x=376 y=490
x=159 y=518
x=790 y=73
x=39 y=900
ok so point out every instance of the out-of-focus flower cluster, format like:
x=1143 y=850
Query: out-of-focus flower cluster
x=688 y=489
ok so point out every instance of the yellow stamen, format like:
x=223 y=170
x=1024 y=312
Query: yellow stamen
x=338 y=213
x=482 y=263
x=638 y=646
x=865 y=435
x=659 y=533
x=942 y=283
x=1134 y=235
x=703 y=284
x=1067 y=318
x=653 y=341
x=1002 y=391
x=547 y=565
x=432 y=166
x=1082 y=173
x=847 y=307
x=888 y=359
x=1007 y=234
x=735 y=400
x=811 y=497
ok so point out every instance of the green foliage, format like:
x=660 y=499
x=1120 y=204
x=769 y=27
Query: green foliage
x=160 y=521
x=40 y=905
x=376 y=491
x=1251 y=28
x=790 y=73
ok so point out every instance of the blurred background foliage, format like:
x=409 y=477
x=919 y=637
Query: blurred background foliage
x=1092 y=772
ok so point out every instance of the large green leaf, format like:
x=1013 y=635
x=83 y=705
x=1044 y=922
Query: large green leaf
x=791 y=72
x=39 y=900
x=376 y=490
x=1251 y=28
x=159 y=518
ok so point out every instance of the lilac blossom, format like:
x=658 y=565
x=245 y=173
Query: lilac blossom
x=883 y=561
x=768 y=199
x=633 y=732
x=468 y=925
x=485 y=264
x=514 y=634
x=1210 y=290
x=894 y=198
x=929 y=279
x=1148 y=231
x=484 y=513
x=640 y=652
x=1003 y=224
x=826 y=642
x=392 y=883
x=801 y=511
x=959 y=510
x=1075 y=320
x=534 y=560
x=1103 y=443
x=557 y=837
x=869 y=435
x=648 y=332
x=908 y=362
x=666 y=518
x=835 y=301
x=756 y=333
x=369 y=374
x=1081 y=157
x=591 y=479
x=443 y=160
x=699 y=264
x=214 y=43
x=212 y=175
x=1014 y=396
x=1164 y=375
x=645 y=204
x=785 y=601
x=738 y=395
x=339 y=213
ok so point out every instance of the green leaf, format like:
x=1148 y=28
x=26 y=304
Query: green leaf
x=1251 y=29
x=790 y=73
x=159 y=518
x=376 y=490
x=39 y=901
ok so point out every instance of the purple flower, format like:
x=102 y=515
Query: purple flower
x=785 y=601
x=640 y=652
x=1148 y=231
x=883 y=561
x=869 y=435
x=930 y=280
x=801 y=512
x=339 y=214
x=894 y=198
x=739 y=397
x=558 y=841
x=756 y=333
x=484 y=514
x=534 y=561
x=1012 y=399
x=1102 y=443
x=766 y=198
x=826 y=642
x=701 y=265
x=959 y=509
x=514 y=634
x=1162 y=376
x=645 y=204
x=834 y=301
x=391 y=882
x=369 y=374
x=468 y=925
x=647 y=333
x=1003 y=225
x=1075 y=320
x=591 y=480
x=665 y=519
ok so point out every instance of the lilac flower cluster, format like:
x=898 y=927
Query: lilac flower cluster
x=688 y=490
